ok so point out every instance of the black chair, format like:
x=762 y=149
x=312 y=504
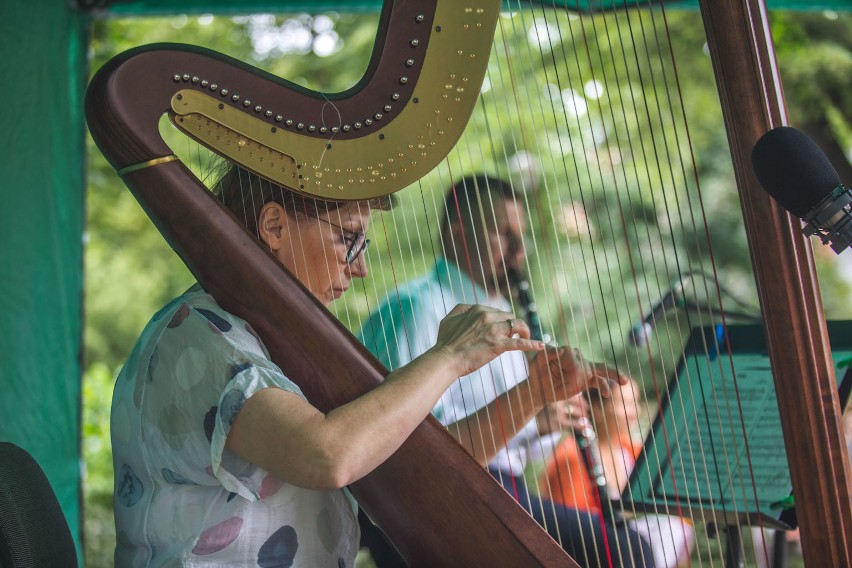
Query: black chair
x=33 y=529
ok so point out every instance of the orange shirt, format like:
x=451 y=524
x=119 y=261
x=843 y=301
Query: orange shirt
x=566 y=479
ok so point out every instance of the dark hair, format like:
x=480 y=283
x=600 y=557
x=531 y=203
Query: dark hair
x=464 y=198
x=244 y=194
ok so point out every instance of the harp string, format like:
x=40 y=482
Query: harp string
x=605 y=427
x=463 y=252
x=611 y=159
x=718 y=297
x=635 y=174
x=672 y=168
x=553 y=113
x=738 y=411
x=481 y=158
x=513 y=105
x=656 y=155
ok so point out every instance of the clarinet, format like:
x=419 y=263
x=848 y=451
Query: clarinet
x=586 y=438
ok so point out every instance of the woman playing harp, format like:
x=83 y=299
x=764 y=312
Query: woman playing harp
x=219 y=458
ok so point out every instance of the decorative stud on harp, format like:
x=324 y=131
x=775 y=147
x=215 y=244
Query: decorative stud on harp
x=382 y=135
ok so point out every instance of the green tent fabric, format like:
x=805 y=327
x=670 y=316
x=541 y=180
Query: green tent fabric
x=44 y=73
x=150 y=7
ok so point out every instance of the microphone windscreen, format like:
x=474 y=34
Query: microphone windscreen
x=793 y=169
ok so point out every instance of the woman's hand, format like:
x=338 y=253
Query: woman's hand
x=473 y=335
x=561 y=373
x=563 y=416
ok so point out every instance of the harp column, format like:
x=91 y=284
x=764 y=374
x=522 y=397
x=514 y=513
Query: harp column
x=753 y=102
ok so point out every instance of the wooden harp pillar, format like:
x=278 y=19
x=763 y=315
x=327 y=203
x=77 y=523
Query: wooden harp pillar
x=752 y=103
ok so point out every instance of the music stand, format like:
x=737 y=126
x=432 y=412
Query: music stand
x=716 y=449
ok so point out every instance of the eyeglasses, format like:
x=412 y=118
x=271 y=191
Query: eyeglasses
x=359 y=244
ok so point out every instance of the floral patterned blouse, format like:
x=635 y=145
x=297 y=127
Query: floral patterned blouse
x=182 y=498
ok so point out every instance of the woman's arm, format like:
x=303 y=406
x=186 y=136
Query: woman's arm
x=284 y=434
x=557 y=374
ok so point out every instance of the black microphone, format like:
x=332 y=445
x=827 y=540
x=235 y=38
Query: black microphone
x=796 y=173
x=641 y=332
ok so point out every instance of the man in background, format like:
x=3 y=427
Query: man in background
x=482 y=241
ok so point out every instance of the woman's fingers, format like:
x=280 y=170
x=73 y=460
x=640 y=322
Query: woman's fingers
x=475 y=334
x=569 y=373
x=516 y=326
x=459 y=309
x=605 y=378
x=520 y=344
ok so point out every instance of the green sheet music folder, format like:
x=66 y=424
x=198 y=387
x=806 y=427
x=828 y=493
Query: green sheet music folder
x=716 y=449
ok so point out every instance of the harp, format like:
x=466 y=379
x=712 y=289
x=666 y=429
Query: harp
x=129 y=95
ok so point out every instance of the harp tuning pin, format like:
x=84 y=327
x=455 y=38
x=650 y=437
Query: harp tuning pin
x=419 y=18
x=378 y=116
x=258 y=108
x=368 y=121
x=267 y=114
x=395 y=96
x=185 y=77
x=387 y=108
x=205 y=83
x=176 y=78
x=335 y=129
x=409 y=62
x=247 y=103
x=403 y=80
x=346 y=128
x=323 y=129
x=235 y=98
x=278 y=118
x=312 y=128
x=357 y=125
x=223 y=92
x=195 y=80
x=414 y=43
x=300 y=126
x=288 y=122
x=214 y=87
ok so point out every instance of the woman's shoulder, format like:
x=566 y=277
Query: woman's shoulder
x=194 y=319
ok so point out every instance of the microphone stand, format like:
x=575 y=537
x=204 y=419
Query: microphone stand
x=586 y=438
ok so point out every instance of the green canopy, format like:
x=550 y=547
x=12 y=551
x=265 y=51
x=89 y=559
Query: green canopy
x=42 y=166
x=148 y=7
